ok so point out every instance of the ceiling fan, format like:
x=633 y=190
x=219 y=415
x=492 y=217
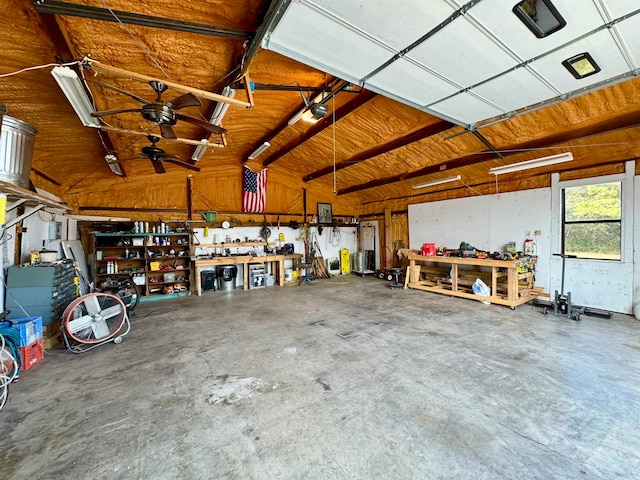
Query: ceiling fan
x=158 y=156
x=164 y=114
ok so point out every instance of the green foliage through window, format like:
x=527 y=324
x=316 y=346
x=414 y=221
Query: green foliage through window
x=592 y=221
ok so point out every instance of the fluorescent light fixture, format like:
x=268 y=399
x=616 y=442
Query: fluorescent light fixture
x=73 y=88
x=437 y=182
x=538 y=162
x=218 y=114
x=259 y=150
x=112 y=161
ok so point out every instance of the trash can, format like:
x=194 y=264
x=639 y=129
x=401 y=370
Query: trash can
x=226 y=277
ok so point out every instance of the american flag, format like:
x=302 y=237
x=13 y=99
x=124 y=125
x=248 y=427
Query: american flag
x=254 y=190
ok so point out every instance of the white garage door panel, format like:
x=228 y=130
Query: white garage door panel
x=411 y=18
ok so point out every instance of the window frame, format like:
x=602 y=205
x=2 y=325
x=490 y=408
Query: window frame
x=620 y=179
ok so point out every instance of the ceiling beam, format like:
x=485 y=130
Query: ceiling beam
x=630 y=120
x=562 y=168
x=109 y=15
x=399 y=142
x=326 y=122
x=285 y=122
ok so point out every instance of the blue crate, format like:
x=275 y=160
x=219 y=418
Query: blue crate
x=30 y=329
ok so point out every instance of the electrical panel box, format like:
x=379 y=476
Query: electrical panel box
x=55 y=230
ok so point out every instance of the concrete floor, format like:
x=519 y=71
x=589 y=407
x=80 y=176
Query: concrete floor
x=247 y=385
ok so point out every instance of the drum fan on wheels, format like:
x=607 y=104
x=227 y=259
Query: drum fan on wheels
x=93 y=320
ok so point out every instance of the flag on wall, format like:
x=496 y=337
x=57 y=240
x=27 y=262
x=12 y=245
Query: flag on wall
x=254 y=190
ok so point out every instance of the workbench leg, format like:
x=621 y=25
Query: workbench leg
x=245 y=276
x=198 y=286
x=512 y=284
x=494 y=281
x=280 y=267
x=454 y=277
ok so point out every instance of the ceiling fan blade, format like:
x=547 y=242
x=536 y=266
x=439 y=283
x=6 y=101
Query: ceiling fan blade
x=105 y=113
x=157 y=165
x=124 y=92
x=186 y=100
x=181 y=163
x=201 y=123
x=167 y=132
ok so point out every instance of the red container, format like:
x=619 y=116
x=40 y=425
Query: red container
x=32 y=354
x=429 y=249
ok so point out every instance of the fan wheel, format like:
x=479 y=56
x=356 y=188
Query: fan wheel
x=94 y=318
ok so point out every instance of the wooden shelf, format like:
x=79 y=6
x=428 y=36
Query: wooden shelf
x=168 y=270
x=148 y=234
x=235 y=244
x=142 y=263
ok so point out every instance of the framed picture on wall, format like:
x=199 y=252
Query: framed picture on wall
x=324 y=213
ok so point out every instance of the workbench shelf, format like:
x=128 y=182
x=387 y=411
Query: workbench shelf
x=508 y=286
x=144 y=249
x=235 y=244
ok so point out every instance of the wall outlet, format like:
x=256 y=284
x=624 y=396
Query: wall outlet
x=538 y=233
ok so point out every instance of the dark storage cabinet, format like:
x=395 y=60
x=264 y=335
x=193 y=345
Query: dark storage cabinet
x=42 y=291
x=208 y=280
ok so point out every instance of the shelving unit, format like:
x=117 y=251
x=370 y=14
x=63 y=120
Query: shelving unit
x=150 y=260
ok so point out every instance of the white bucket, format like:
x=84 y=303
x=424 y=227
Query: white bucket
x=288 y=274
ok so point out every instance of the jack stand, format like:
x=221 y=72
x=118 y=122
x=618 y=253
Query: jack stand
x=562 y=306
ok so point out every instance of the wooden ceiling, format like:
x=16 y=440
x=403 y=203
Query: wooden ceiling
x=363 y=156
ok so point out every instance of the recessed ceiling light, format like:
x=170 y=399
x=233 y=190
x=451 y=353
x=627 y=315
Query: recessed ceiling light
x=581 y=65
x=540 y=16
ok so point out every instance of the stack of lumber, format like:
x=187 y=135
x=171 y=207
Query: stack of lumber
x=319 y=268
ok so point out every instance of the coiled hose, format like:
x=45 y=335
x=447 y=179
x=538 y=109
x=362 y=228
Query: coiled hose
x=10 y=360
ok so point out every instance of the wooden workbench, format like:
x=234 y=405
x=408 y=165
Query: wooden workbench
x=508 y=287
x=245 y=260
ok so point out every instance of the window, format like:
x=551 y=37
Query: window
x=592 y=221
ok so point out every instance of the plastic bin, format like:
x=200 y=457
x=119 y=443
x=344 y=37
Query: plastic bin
x=32 y=354
x=30 y=329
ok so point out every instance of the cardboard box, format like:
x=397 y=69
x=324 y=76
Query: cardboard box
x=30 y=329
x=169 y=277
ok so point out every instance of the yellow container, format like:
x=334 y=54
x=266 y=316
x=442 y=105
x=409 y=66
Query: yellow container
x=154 y=266
x=345 y=264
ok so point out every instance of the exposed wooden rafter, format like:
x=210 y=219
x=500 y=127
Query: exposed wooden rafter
x=326 y=122
x=399 y=142
x=285 y=121
x=630 y=120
